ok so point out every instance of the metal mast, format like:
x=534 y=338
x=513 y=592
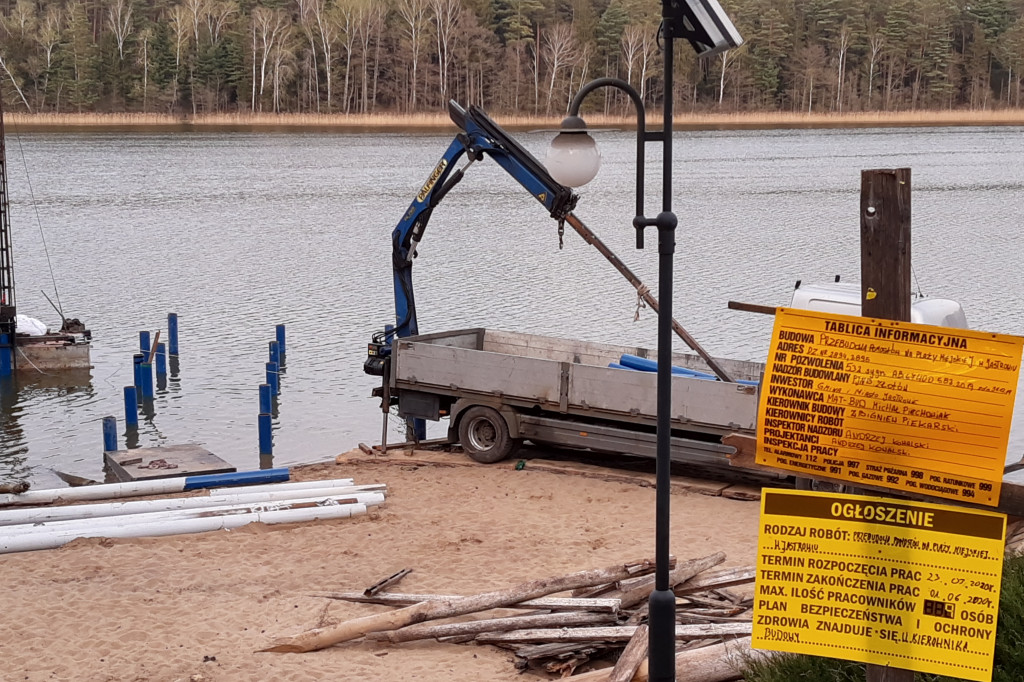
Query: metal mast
x=8 y=309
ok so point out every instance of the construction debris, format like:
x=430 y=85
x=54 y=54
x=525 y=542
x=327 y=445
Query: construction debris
x=606 y=618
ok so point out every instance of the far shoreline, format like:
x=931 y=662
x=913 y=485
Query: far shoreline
x=400 y=123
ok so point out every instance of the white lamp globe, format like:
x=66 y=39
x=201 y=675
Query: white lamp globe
x=573 y=158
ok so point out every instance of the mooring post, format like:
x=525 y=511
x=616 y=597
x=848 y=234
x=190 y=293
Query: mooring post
x=131 y=407
x=144 y=343
x=172 y=334
x=280 y=339
x=273 y=378
x=885 y=280
x=266 y=399
x=109 y=434
x=137 y=361
x=146 y=374
x=161 y=359
x=266 y=436
x=275 y=352
x=6 y=355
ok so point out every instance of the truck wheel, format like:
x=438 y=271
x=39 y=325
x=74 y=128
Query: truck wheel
x=484 y=435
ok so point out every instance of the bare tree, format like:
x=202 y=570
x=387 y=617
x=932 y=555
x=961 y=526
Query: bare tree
x=327 y=32
x=875 y=43
x=282 y=63
x=270 y=28
x=842 y=47
x=145 y=35
x=119 y=17
x=179 y=23
x=348 y=20
x=559 y=49
x=307 y=21
x=413 y=14
x=198 y=11
x=49 y=37
x=217 y=16
x=446 y=15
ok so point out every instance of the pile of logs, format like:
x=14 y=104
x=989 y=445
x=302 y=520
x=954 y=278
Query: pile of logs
x=602 y=615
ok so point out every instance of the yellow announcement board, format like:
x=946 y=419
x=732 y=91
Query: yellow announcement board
x=905 y=584
x=900 y=405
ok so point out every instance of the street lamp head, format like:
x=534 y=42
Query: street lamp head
x=573 y=158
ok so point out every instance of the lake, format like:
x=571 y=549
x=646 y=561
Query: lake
x=239 y=232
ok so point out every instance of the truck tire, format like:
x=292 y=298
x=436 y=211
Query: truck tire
x=484 y=435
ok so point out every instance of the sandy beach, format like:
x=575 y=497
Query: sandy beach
x=199 y=607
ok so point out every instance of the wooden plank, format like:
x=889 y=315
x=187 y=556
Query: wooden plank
x=386 y=582
x=714 y=580
x=632 y=656
x=475 y=627
x=551 y=603
x=622 y=633
x=171 y=461
x=752 y=307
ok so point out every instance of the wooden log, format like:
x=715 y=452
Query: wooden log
x=715 y=663
x=547 y=603
x=16 y=488
x=621 y=633
x=320 y=638
x=632 y=656
x=386 y=582
x=475 y=627
x=641 y=589
x=728 y=577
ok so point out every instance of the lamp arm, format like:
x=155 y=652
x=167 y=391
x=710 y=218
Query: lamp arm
x=639 y=220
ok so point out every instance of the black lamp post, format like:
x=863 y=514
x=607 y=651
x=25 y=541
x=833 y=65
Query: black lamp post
x=573 y=156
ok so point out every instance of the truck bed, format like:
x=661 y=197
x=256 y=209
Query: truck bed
x=568 y=377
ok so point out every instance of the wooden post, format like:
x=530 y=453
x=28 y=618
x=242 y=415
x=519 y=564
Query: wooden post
x=885 y=280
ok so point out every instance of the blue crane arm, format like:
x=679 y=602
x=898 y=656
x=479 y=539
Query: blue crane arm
x=480 y=137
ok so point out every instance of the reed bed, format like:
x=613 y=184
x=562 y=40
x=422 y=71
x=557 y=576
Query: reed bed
x=440 y=120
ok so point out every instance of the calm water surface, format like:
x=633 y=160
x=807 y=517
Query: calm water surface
x=237 y=232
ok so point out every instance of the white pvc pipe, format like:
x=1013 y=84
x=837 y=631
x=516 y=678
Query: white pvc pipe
x=11 y=517
x=160 y=486
x=295 y=485
x=261 y=505
x=30 y=542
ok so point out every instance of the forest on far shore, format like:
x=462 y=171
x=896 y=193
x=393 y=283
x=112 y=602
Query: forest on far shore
x=518 y=57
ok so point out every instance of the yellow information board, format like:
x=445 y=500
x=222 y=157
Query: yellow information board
x=900 y=405
x=906 y=584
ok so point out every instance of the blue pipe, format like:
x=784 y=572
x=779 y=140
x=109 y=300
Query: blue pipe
x=144 y=343
x=236 y=478
x=109 y=434
x=6 y=356
x=275 y=352
x=137 y=368
x=266 y=435
x=645 y=365
x=131 y=407
x=172 y=334
x=161 y=359
x=280 y=338
x=146 y=374
x=266 y=399
x=273 y=379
